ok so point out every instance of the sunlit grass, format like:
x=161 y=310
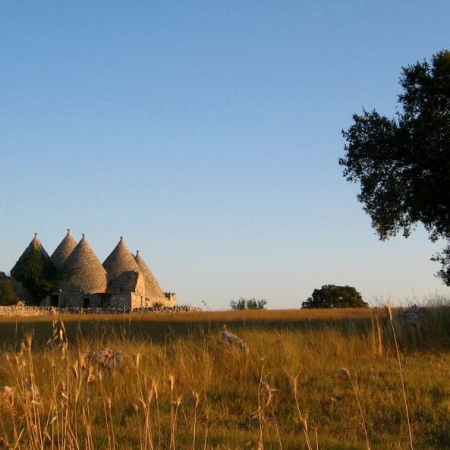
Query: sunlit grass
x=326 y=380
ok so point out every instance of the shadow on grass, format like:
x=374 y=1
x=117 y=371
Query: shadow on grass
x=163 y=327
x=434 y=335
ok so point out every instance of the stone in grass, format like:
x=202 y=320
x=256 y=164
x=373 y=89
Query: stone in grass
x=6 y=395
x=413 y=316
x=231 y=339
x=109 y=358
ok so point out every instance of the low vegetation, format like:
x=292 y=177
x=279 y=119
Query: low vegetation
x=8 y=295
x=331 y=296
x=251 y=303
x=36 y=272
x=329 y=379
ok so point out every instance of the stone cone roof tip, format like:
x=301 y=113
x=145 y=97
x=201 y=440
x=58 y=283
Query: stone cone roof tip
x=88 y=273
x=152 y=287
x=36 y=244
x=120 y=260
x=64 y=249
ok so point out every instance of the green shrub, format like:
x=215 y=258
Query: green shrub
x=8 y=295
x=251 y=303
x=331 y=296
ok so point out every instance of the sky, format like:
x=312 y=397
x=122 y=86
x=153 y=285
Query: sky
x=207 y=134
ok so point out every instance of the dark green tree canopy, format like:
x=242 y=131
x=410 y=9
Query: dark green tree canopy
x=331 y=296
x=36 y=272
x=403 y=164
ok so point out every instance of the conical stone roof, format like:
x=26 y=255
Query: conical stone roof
x=88 y=274
x=120 y=260
x=34 y=247
x=64 y=249
x=34 y=270
x=34 y=259
x=125 y=282
x=35 y=244
x=152 y=288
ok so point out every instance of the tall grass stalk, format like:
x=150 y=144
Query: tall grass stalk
x=86 y=418
x=196 y=397
x=376 y=335
x=361 y=413
x=29 y=392
x=400 y=368
x=146 y=405
x=107 y=406
x=147 y=393
x=174 y=406
x=303 y=418
x=265 y=400
x=260 y=411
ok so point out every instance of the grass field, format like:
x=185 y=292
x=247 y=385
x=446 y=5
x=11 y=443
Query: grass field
x=339 y=379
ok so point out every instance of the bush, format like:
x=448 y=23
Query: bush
x=331 y=296
x=251 y=303
x=38 y=274
x=8 y=295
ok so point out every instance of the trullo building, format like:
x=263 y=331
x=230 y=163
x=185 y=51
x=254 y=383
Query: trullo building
x=123 y=280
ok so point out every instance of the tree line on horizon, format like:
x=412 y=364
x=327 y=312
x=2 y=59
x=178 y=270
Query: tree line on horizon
x=328 y=296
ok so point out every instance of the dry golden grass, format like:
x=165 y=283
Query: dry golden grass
x=312 y=379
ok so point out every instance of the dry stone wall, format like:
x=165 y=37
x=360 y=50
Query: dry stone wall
x=25 y=311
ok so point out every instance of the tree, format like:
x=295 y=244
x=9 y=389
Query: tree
x=251 y=303
x=403 y=164
x=238 y=305
x=8 y=295
x=331 y=296
x=37 y=273
x=256 y=304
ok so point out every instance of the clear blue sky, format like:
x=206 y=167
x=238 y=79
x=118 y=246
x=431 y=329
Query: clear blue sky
x=207 y=133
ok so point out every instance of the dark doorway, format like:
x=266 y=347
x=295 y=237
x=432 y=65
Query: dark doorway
x=86 y=302
x=54 y=299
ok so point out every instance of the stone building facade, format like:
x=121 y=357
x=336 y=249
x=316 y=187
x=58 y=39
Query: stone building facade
x=123 y=280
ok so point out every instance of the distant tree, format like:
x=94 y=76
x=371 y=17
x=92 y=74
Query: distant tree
x=256 y=304
x=251 y=303
x=331 y=296
x=403 y=164
x=8 y=295
x=239 y=304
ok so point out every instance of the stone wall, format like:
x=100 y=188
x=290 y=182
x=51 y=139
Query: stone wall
x=30 y=311
x=122 y=301
x=171 y=299
x=26 y=310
